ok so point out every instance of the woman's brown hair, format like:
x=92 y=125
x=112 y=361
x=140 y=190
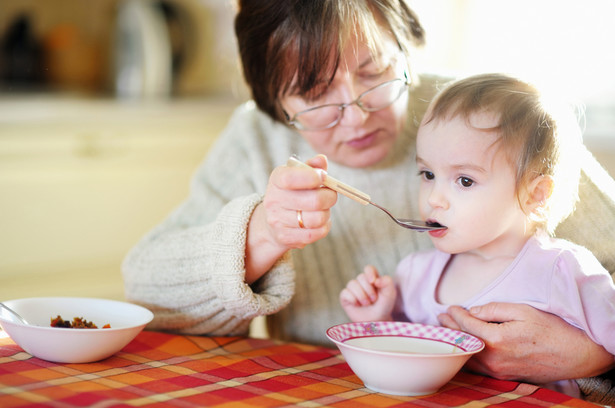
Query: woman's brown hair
x=289 y=45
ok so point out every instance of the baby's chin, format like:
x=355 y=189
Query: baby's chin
x=448 y=246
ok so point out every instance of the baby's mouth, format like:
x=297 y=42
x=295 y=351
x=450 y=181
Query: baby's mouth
x=434 y=224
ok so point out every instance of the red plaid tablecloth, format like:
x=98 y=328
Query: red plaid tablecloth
x=159 y=369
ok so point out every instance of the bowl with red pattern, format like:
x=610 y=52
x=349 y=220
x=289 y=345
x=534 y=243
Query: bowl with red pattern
x=402 y=358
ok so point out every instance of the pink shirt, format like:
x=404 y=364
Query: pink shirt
x=549 y=274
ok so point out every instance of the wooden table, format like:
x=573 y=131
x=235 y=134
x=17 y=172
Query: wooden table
x=158 y=369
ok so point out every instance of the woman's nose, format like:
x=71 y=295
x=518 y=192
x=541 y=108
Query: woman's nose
x=353 y=115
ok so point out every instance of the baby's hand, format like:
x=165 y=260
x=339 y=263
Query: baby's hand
x=369 y=297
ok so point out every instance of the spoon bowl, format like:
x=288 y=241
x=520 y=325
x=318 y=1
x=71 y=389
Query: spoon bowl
x=415 y=225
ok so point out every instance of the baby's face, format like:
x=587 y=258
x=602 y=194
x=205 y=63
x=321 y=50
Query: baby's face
x=468 y=185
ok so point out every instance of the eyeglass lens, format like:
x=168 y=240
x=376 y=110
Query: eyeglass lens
x=374 y=99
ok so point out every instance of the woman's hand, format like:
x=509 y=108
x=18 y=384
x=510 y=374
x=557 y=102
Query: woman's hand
x=528 y=344
x=293 y=194
x=369 y=297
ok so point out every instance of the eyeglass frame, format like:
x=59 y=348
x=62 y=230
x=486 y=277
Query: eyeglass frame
x=342 y=106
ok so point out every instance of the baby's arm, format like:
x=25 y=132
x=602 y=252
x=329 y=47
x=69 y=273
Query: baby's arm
x=369 y=297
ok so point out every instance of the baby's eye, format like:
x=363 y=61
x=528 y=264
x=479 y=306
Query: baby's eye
x=466 y=181
x=427 y=175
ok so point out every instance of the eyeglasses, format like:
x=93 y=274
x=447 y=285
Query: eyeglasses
x=326 y=116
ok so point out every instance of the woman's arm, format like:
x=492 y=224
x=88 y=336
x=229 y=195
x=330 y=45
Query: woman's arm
x=191 y=269
x=191 y=276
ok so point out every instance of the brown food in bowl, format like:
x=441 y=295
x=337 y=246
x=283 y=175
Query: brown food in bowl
x=77 y=323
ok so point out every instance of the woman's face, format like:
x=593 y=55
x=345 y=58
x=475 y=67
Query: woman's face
x=360 y=139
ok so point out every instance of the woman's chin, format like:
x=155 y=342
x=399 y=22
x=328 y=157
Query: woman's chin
x=366 y=157
x=360 y=161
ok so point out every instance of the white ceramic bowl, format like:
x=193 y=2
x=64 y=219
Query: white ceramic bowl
x=63 y=345
x=403 y=358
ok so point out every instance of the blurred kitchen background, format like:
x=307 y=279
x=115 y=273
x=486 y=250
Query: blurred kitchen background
x=108 y=106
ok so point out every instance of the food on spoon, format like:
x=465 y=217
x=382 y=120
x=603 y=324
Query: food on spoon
x=77 y=323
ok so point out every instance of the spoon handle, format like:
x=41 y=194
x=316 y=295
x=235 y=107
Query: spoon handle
x=14 y=313
x=334 y=184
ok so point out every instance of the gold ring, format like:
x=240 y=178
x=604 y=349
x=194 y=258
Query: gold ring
x=300 y=219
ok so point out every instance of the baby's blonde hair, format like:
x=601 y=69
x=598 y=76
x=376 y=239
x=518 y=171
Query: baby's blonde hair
x=540 y=138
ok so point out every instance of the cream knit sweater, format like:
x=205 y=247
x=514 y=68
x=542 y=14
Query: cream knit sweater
x=189 y=270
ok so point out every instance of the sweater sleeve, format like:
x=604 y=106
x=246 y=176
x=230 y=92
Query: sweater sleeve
x=592 y=224
x=600 y=390
x=189 y=270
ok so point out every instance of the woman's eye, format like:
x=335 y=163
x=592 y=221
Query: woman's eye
x=376 y=72
x=373 y=75
x=466 y=182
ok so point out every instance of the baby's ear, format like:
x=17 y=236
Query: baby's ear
x=538 y=192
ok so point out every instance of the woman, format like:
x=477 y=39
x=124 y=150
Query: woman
x=258 y=238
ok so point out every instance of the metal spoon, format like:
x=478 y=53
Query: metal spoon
x=13 y=313
x=361 y=197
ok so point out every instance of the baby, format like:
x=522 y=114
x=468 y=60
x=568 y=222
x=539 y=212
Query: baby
x=498 y=169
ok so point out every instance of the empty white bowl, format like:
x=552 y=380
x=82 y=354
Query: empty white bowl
x=403 y=358
x=63 y=345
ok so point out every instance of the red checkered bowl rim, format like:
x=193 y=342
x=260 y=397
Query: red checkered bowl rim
x=466 y=342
